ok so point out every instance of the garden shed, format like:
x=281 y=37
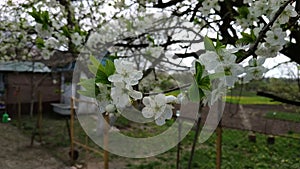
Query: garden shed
x=20 y=82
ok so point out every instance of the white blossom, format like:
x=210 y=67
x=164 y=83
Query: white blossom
x=244 y=22
x=182 y=98
x=93 y=41
x=255 y=70
x=104 y=94
x=125 y=72
x=152 y=53
x=254 y=73
x=157 y=106
x=256 y=30
x=231 y=69
x=103 y=97
x=42 y=32
x=121 y=94
x=266 y=50
x=208 y=5
x=288 y=12
x=51 y=43
x=46 y=54
x=275 y=37
x=238 y=47
x=259 y=8
x=210 y=60
x=76 y=39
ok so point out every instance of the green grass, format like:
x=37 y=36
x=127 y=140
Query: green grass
x=238 y=152
x=295 y=117
x=250 y=100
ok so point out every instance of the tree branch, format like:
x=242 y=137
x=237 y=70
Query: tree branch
x=277 y=98
x=263 y=32
x=168 y=91
x=160 y=4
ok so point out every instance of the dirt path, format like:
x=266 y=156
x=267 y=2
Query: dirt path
x=16 y=153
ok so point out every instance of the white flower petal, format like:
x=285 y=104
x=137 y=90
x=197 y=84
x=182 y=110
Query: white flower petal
x=160 y=121
x=159 y=111
x=115 y=78
x=135 y=94
x=147 y=112
x=168 y=112
x=160 y=99
x=171 y=99
x=147 y=101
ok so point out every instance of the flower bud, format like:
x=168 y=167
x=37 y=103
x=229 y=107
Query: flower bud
x=110 y=108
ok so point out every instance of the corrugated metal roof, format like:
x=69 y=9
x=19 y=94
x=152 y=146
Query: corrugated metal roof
x=25 y=66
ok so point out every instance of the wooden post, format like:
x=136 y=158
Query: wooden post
x=38 y=127
x=19 y=107
x=40 y=115
x=72 y=130
x=105 y=142
x=219 y=146
x=179 y=143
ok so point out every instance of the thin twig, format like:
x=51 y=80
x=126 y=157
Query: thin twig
x=167 y=91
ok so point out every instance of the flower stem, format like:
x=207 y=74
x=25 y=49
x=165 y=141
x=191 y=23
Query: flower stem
x=195 y=139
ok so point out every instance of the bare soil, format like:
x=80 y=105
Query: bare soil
x=251 y=118
x=16 y=152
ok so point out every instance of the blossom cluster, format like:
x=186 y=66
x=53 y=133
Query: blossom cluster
x=122 y=94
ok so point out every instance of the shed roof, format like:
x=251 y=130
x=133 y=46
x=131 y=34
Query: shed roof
x=25 y=66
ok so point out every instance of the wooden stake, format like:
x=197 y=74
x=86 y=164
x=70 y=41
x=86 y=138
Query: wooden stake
x=179 y=144
x=105 y=142
x=219 y=146
x=40 y=115
x=72 y=129
x=38 y=127
x=19 y=107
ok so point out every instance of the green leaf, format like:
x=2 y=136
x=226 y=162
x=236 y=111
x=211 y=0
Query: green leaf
x=86 y=93
x=36 y=15
x=109 y=67
x=88 y=84
x=45 y=17
x=204 y=83
x=199 y=71
x=243 y=11
x=93 y=67
x=208 y=44
x=101 y=77
x=90 y=88
x=219 y=45
x=65 y=30
x=102 y=72
x=247 y=38
x=39 y=42
x=193 y=93
x=77 y=29
x=150 y=39
x=196 y=21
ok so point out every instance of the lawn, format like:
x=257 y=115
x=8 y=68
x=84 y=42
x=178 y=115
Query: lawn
x=250 y=100
x=238 y=152
x=295 y=117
